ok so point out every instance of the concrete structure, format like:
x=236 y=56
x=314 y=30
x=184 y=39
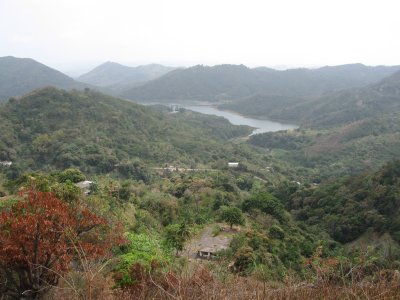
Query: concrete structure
x=6 y=163
x=84 y=186
x=210 y=252
x=206 y=253
x=233 y=164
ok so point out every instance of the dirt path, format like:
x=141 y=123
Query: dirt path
x=205 y=239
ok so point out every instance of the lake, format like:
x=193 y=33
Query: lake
x=261 y=125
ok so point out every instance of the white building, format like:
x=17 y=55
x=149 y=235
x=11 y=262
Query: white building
x=233 y=164
x=6 y=163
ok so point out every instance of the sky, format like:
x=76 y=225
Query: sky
x=74 y=35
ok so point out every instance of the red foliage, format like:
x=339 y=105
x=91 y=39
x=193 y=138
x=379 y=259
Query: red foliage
x=39 y=238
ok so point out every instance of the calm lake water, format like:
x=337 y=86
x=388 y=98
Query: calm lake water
x=236 y=119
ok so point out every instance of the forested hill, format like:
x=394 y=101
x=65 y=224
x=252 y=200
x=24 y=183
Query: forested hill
x=350 y=207
x=111 y=73
x=52 y=128
x=330 y=109
x=227 y=82
x=357 y=104
x=19 y=76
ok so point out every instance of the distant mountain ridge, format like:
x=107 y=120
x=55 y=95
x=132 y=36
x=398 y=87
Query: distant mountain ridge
x=227 y=82
x=19 y=76
x=356 y=104
x=118 y=77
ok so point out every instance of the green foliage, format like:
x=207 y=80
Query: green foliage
x=276 y=232
x=66 y=191
x=53 y=129
x=73 y=175
x=315 y=155
x=232 y=215
x=266 y=203
x=7 y=203
x=244 y=259
x=176 y=235
x=143 y=249
x=216 y=230
x=348 y=207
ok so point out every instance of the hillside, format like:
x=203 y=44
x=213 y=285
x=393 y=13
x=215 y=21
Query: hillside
x=227 y=82
x=331 y=109
x=347 y=208
x=352 y=105
x=118 y=77
x=19 y=76
x=325 y=153
x=51 y=128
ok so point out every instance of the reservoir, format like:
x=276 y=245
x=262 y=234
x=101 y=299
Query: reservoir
x=261 y=125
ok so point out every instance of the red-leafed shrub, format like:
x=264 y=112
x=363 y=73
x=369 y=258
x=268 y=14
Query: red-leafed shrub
x=39 y=238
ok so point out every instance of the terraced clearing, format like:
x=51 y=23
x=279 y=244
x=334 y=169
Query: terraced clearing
x=206 y=240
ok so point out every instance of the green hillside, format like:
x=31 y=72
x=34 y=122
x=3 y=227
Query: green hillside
x=363 y=145
x=331 y=109
x=19 y=76
x=52 y=128
x=227 y=82
x=347 y=208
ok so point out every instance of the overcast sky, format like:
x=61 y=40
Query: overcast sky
x=73 y=34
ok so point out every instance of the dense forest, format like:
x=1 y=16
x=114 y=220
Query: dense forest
x=54 y=128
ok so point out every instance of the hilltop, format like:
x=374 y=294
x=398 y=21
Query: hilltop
x=117 y=77
x=227 y=82
x=19 y=76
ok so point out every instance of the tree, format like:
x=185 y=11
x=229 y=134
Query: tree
x=232 y=215
x=73 y=175
x=176 y=236
x=267 y=203
x=39 y=236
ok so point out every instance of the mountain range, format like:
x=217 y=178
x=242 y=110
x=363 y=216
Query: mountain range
x=228 y=82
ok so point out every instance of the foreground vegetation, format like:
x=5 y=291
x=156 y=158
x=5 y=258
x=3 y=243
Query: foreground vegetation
x=275 y=254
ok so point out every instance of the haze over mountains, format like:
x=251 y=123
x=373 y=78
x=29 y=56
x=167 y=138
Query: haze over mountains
x=330 y=109
x=228 y=82
x=117 y=77
x=157 y=83
x=22 y=75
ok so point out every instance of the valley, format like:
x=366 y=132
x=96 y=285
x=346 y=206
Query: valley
x=301 y=202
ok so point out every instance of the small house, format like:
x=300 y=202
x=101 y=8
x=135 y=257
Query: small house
x=6 y=163
x=233 y=164
x=211 y=252
x=84 y=186
x=206 y=253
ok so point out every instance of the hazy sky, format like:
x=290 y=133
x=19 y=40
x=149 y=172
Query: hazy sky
x=68 y=34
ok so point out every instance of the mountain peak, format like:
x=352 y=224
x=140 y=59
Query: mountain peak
x=30 y=75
